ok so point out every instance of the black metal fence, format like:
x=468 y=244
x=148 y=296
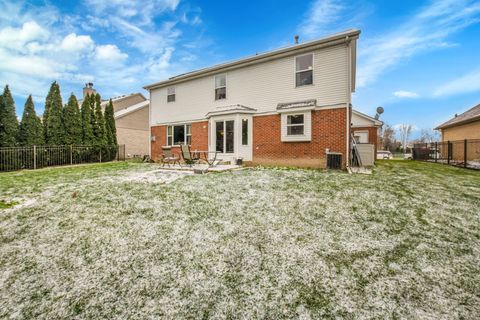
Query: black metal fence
x=35 y=157
x=463 y=153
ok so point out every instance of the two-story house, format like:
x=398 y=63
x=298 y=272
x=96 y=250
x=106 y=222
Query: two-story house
x=285 y=107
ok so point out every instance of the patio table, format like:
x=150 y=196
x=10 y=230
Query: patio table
x=204 y=155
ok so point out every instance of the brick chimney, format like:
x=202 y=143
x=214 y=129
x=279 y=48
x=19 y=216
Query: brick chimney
x=88 y=89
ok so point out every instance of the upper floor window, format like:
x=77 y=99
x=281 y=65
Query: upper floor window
x=220 y=87
x=304 y=70
x=171 y=94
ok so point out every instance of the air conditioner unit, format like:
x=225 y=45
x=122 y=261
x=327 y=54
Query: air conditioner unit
x=334 y=160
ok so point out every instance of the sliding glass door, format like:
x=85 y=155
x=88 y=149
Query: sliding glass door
x=224 y=136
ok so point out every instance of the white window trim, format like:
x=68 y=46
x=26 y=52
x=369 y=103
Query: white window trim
x=215 y=86
x=307 y=127
x=186 y=134
x=172 y=94
x=297 y=71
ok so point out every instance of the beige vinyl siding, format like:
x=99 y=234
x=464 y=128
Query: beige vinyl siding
x=460 y=132
x=133 y=131
x=261 y=86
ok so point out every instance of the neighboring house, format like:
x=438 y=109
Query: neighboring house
x=132 y=123
x=366 y=129
x=462 y=126
x=131 y=120
x=285 y=107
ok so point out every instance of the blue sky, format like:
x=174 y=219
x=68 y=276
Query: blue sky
x=417 y=59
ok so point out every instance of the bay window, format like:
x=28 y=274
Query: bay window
x=245 y=132
x=224 y=136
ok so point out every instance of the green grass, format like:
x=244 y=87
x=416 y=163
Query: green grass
x=5 y=205
x=100 y=241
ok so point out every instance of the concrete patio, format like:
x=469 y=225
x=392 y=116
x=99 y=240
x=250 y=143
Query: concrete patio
x=204 y=167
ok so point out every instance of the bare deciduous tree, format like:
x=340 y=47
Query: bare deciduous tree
x=429 y=135
x=404 y=131
x=387 y=137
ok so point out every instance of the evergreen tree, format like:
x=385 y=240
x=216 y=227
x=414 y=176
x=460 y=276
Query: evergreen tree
x=93 y=119
x=53 y=122
x=48 y=103
x=30 y=131
x=86 y=114
x=99 y=129
x=110 y=128
x=72 y=122
x=8 y=120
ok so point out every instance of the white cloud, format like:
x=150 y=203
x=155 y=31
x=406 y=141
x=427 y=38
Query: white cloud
x=427 y=30
x=39 y=45
x=464 y=84
x=17 y=38
x=161 y=64
x=321 y=14
x=109 y=53
x=405 y=94
x=72 y=42
x=143 y=11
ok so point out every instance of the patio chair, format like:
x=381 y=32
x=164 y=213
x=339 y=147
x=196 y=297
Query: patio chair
x=168 y=157
x=187 y=155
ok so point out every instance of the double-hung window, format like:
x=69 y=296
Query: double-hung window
x=295 y=124
x=220 y=87
x=171 y=94
x=304 y=70
x=179 y=134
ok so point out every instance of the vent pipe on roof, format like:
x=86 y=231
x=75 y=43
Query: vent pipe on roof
x=296 y=39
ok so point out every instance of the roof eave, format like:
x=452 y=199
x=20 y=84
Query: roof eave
x=222 y=113
x=445 y=125
x=376 y=122
x=121 y=115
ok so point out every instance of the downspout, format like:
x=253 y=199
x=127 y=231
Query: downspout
x=349 y=91
x=150 y=124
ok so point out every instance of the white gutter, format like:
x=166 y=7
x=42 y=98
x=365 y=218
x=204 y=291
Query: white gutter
x=150 y=125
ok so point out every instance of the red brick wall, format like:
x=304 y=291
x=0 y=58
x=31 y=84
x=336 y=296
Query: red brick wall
x=372 y=135
x=199 y=139
x=328 y=131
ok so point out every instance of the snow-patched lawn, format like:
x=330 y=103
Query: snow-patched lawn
x=124 y=240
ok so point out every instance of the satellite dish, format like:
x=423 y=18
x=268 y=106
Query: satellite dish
x=379 y=112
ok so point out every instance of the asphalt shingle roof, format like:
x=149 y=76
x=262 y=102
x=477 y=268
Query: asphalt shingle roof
x=467 y=116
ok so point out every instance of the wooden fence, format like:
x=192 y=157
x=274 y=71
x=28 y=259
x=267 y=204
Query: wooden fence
x=35 y=157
